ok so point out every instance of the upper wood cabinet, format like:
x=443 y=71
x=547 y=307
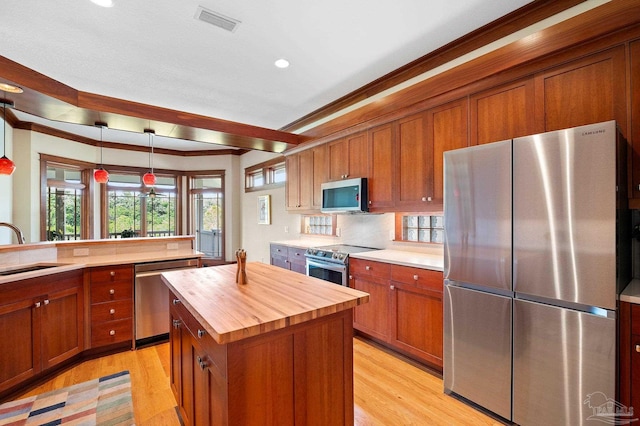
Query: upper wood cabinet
x=299 y=186
x=414 y=185
x=381 y=170
x=320 y=161
x=634 y=137
x=348 y=157
x=585 y=91
x=502 y=113
x=448 y=130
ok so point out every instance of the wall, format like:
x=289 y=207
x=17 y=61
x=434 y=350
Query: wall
x=24 y=211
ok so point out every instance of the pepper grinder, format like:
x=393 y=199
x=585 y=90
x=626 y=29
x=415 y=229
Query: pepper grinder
x=241 y=273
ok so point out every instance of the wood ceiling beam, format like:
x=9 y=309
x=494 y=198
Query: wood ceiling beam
x=47 y=98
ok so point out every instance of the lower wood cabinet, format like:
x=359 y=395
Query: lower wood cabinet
x=288 y=257
x=629 y=355
x=302 y=374
x=111 y=305
x=404 y=310
x=41 y=324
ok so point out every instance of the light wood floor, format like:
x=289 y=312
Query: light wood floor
x=387 y=390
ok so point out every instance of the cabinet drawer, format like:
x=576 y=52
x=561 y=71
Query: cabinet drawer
x=279 y=250
x=360 y=267
x=110 y=332
x=296 y=255
x=635 y=320
x=422 y=277
x=109 y=291
x=111 y=274
x=110 y=311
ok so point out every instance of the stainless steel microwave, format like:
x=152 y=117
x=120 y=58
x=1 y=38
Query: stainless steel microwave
x=349 y=195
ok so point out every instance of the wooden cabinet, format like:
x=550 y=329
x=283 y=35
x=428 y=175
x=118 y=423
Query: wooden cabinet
x=416 y=312
x=299 y=185
x=320 y=161
x=288 y=257
x=502 y=113
x=302 y=374
x=348 y=157
x=42 y=321
x=629 y=354
x=447 y=131
x=586 y=91
x=372 y=277
x=111 y=296
x=381 y=167
x=634 y=137
x=404 y=310
x=414 y=164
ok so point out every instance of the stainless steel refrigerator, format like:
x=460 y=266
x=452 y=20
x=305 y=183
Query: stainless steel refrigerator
x=537 y=249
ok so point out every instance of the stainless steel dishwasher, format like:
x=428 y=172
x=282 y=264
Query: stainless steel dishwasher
x=152 y=299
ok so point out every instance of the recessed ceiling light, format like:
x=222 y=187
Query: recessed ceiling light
x=103 y=3
x=282 y=63
x=10 y=88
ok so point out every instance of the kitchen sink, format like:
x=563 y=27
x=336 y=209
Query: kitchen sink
x=29 y=268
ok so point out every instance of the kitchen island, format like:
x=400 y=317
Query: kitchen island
x=277 y=350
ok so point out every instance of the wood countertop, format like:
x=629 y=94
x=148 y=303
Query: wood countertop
x=273 y=298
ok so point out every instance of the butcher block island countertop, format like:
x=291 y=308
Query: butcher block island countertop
x=275 y=351
x=272 y=299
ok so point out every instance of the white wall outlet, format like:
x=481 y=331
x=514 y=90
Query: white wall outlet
x=81 y=252
x=286 y=229
x=338 y=232
x=172 y=246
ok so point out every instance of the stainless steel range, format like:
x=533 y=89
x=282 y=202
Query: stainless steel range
x=331 y=263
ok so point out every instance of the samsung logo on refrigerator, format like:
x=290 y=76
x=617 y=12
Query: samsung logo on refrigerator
x=345 y=196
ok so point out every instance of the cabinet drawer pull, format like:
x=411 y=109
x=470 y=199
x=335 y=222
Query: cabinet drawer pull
x=176 y=301
x=112 y=311
x=415 y=277
x=201 y=333
x=112 y=332
x=201 y=362
x=112 y=273
x=637 y=348
x=112 y=291
x=368 y=268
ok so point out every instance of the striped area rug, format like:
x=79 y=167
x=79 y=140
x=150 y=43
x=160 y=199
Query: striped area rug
x=103 y=401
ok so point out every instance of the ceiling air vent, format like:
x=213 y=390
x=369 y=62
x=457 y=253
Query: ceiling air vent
x=217 y=19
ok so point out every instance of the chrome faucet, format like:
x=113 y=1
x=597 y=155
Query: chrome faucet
x=17 y=230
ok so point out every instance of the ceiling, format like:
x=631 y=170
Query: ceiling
x=156 y=53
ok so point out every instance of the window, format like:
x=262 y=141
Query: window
x=133 y=210
x=65 y=204
x=265 y=175
x=206 y=194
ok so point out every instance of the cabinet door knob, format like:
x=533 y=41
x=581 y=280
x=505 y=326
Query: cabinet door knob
x=176 y=323
x=415 y=277
x=37 y=304
x=112 y=273
x=350 y=277
x=392 y=287
x=46 y=301
x=368 y=268
x=201 y=333
x=112 y=311
x=176 y=301
x=112 y=333
x=637 y=348
x=112 y=291
x=201 y=362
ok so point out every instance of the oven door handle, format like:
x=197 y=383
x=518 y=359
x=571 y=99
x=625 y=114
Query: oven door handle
x=330 y=266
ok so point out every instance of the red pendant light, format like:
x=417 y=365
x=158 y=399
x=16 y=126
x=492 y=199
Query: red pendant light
x=101 y=175
x=7 y=166
x=149 y=179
